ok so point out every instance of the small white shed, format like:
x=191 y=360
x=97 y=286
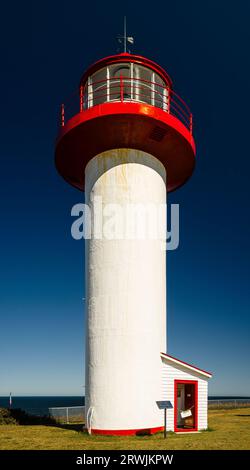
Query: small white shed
x=186 y=387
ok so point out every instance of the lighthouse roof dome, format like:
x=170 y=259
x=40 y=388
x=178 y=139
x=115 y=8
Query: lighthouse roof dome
x=125 y=57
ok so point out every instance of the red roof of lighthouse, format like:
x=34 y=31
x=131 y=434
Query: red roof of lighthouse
x=126 y=57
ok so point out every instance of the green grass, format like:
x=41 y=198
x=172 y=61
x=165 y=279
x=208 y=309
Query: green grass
x=228 y=429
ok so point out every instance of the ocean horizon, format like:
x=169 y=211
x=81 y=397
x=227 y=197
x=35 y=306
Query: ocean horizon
x=39 y=404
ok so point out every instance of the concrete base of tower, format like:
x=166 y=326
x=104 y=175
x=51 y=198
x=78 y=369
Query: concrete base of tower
x=127 y=432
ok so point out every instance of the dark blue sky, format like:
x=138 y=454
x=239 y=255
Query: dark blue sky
x=45 y=47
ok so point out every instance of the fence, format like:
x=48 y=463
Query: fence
x=70 y=414
x=76 y=414
x=229 y=403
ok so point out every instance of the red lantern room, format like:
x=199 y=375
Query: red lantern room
x=126 y=101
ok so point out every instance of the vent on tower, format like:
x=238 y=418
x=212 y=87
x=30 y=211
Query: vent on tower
x=157 y=134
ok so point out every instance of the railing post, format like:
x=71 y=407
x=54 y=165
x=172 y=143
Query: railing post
x=62 y=115
x=108 y=84
x=168 y=95
x=81 y=98
x=121 y=85
x=191 y=124
x=165 y=95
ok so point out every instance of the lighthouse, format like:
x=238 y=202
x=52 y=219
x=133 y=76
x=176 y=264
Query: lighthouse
x=129 y=143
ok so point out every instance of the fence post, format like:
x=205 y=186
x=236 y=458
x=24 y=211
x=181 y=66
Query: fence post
x=67 y=415
x=121 y=85
x=62 y=115
x=81 y=98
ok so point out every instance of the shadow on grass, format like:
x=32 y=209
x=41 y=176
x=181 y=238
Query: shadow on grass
x=243 y=416
x=71 y=427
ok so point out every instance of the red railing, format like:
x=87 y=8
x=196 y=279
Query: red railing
x=125 y=89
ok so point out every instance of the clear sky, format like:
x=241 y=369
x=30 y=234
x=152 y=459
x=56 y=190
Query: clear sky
x=45 y=47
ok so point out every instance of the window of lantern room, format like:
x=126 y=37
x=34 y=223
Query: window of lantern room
x=120 y=82
x=97 y=87
x=126 y=82
x=143 y=84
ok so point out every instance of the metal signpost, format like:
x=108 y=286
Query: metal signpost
x=164 y=405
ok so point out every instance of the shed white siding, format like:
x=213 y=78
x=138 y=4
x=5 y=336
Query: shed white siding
x=170 y=373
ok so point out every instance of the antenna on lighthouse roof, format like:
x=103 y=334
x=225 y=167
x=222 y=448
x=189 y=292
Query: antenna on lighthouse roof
x=125 y=33
x=125 y=39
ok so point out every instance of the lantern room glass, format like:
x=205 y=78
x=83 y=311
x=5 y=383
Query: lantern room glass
x=126 y=82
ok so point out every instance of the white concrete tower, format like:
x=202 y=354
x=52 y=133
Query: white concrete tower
x=130 y=143
x=126 y=295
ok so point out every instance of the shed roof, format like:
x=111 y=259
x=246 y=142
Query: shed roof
x=190 y=367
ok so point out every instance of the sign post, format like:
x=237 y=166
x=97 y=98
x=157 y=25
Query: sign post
x=165 y=423
x=164 y=405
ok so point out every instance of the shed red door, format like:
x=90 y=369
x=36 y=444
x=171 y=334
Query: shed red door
x=186 y=398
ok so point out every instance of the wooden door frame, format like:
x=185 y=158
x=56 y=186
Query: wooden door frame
x=195 y=383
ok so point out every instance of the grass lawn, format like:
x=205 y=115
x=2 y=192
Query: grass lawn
x=228 y=429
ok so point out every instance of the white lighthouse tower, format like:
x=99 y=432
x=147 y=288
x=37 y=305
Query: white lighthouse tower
x=130 y=143
x=126 y=295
